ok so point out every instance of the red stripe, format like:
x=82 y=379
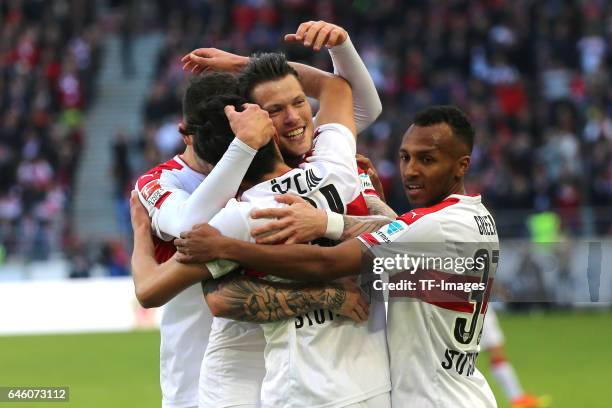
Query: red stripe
x=369 y=238
x=455 y=300
x=159 y=202
x=418 y=213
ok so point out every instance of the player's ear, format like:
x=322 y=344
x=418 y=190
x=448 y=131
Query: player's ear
x=463 y=164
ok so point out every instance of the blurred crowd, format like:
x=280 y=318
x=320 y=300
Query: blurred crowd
x=533 y=75
x=49 y=56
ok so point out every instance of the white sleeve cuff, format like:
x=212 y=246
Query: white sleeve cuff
x=335 y=226
x=220 y=267
x=244 y=147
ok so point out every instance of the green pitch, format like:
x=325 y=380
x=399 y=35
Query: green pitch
x=566 y=356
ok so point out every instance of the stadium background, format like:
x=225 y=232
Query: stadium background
x=90 y=97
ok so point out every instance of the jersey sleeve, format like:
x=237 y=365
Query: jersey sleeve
x=173 y=210
x=334 y=143
x=367 y=188
x=419 y=238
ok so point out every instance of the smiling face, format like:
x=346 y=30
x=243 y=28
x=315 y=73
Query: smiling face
x=433 y=163
x=285 y=101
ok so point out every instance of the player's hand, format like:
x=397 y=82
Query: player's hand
x=199 y=245
x=366 y=164
x=213 y=59
x=297 y=223
x=138 y=214
x=253 y=125
x=347 y=300
x=315 y=34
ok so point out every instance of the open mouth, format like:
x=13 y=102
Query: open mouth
x=413 y=187
x=296 y=135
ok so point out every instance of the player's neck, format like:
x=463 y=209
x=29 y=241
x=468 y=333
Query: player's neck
x=188 y=156
x=459 y=188
x=280 y=168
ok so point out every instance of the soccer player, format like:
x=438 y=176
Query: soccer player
x=165 y=191
x=175 y=198
x=501 y=369
x=434 y=339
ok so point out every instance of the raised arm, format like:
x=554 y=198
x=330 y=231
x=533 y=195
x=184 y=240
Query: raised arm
x=255 y=300
x=347 y=64
x=174 y=210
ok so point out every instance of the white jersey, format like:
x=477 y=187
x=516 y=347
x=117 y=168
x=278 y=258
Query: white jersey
x=433 y=333
x=185 y=323
x=319 y=359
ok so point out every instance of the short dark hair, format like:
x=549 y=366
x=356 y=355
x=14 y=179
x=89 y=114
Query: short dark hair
x=264 y=67
x=213 y=136
x=457 y=120
x=202 y=87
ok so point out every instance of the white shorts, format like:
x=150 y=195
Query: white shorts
x=379 y=401
x=492 y=335
x=233 y=367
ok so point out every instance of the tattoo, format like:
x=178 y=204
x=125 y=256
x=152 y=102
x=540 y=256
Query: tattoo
x=255 y=300
x=355 y=225
x=379 y=207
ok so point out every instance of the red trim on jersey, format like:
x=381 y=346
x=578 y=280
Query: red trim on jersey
x=358 y=206
x=455 y=300
x=156 y=172
x=164 y=250
x=161 y=199
x=418 y=213
x=369 y=238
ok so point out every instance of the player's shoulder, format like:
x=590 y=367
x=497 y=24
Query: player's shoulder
x=155 y=173
x=422 y=224
x=434 y=213
x=332 y=128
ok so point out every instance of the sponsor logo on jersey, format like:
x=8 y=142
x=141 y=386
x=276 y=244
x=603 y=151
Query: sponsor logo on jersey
x=385 y=234
x=366 y=182
x=152 y=192
x=394 y=228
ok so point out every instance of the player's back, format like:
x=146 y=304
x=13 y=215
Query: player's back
x=185 y=322
x=434 y=326
x=317 y=359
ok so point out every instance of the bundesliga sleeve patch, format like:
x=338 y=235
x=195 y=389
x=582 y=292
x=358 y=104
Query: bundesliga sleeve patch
x=153 y=193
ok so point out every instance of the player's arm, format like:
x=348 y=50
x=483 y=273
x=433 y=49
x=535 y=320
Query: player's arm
x=347 y=64
x=255 y=300
x=300 y=222
x=156 y=284
x=174 y=211
x=376 y=206
x=299 y=262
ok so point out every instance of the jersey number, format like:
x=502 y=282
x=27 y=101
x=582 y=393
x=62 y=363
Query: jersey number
x=331 y=196
x=463 y=334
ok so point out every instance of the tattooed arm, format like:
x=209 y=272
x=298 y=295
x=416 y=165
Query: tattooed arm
x=357 y=225
x=377 y=206
x=249 y=299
